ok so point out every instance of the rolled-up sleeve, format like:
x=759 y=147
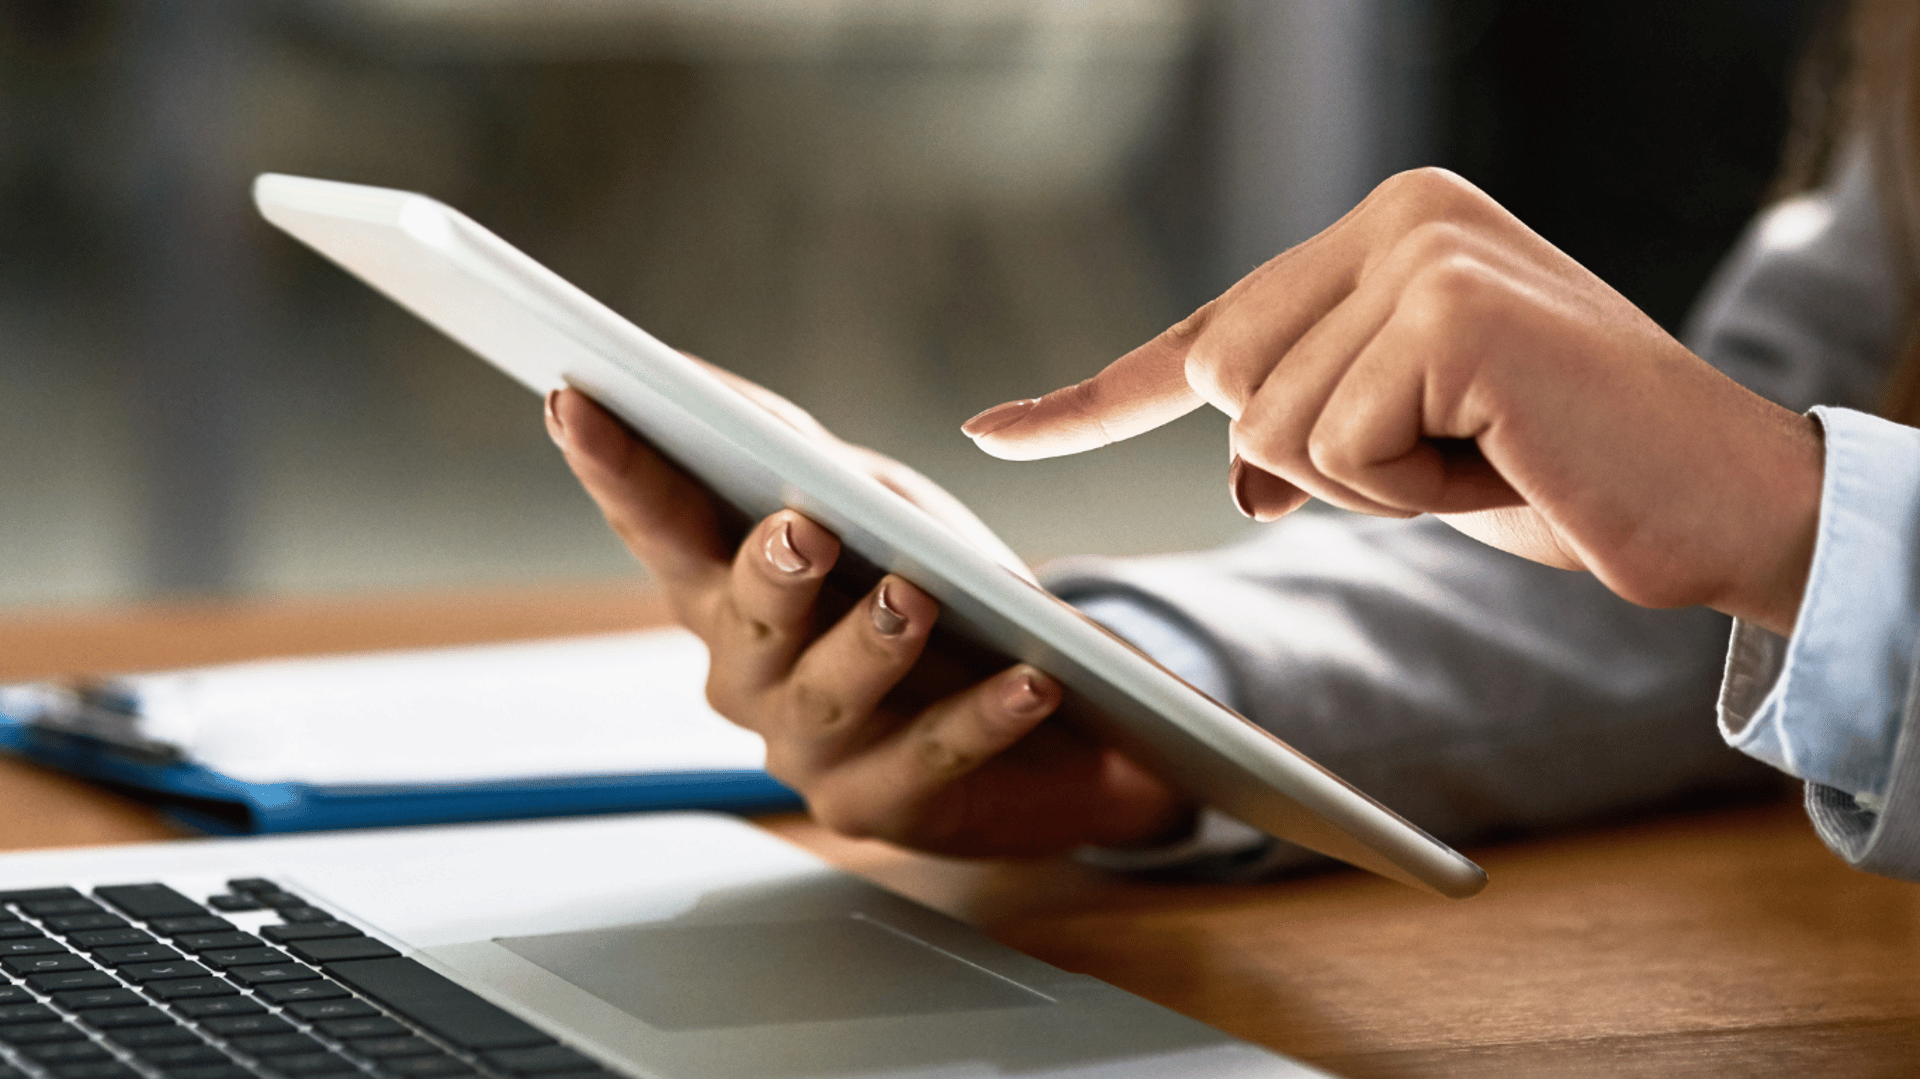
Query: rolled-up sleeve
x=1835 y=703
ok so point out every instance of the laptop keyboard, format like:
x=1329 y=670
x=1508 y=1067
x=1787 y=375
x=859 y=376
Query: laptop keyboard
x=139 y=981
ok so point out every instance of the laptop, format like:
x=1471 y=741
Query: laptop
x=663 y=946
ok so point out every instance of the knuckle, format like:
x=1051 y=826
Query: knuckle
x=811 y=707
x=1234 y=376
x=1451 y=291
x=1330 y=456
x=1431 y=242
x=1429 y=185
x=747 y=628
x=1428 y=194
x=841 y=813
x=942 y=759
x=1193 y=324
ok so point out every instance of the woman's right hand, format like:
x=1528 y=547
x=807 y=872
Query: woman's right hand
x=882 y=737
x=1429 y=353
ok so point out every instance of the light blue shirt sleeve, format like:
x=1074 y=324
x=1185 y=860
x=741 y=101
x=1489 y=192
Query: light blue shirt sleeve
x=1829 y=704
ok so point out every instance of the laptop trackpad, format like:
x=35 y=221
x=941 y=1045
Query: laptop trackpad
x=701 y=977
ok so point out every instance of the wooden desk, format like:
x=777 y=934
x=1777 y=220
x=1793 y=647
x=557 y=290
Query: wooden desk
x=1725 y=943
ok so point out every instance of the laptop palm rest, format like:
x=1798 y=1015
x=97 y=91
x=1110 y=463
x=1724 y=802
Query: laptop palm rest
x=707 y=977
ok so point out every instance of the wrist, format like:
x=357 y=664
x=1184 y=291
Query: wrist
x=1771 y=570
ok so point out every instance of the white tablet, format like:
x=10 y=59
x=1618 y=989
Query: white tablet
x=547 y=334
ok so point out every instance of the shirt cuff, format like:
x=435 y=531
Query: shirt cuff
x=1827 y=703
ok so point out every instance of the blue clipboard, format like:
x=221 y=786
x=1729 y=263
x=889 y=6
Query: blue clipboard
x=205 y=799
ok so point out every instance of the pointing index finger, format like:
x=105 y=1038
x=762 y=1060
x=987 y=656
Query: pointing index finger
x=1134 y=394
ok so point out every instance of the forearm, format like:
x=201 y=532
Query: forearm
x=1468 y=690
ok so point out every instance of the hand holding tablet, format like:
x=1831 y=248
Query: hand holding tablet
x=841 y=653
x=881 y=744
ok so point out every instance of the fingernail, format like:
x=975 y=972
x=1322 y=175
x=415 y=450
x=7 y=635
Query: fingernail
x=1023 y=697
x=1237 y=484
x=997 y=418
x=555 y=427
x=887 y=618
x=783 y=554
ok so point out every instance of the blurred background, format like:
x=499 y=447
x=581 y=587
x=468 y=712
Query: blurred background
x=896 y=212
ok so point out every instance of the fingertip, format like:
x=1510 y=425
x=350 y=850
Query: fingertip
x=1260 y=494
x=820 y=546
x=1026 y=693
x=795 y=548
x=556 y=429
x=896 y=609
x=588 y=431
x=998 y=418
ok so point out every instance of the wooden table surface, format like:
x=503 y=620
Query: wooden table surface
x=1719 y=943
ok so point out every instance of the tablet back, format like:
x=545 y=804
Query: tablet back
x=547 y=334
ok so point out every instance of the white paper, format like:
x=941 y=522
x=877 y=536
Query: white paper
x=608 y=705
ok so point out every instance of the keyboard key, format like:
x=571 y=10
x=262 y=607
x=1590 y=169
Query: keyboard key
x=147 y=901
x=28 y=895
x=439 y=1066
x=289 y=992
x=372 y=1026
x=192 y=923
x=243 y=957
x=35 y=1033
x=443 y=1007
x=181 y=988
x=251 y=885
x=229 y=1025
x=540 y=1061
x=233 y=903
x=121 y=954
x=207 y=1007
x=314 y=1011
x=32 y=946
x=27 y=965
x=408 y=1045
x=26 y=1013
x=272 y=974
x=164 y=970
x=78 y=1000
x=303 y=914
x=104 y=1069
x=277 y=1045
x=13 y=994
x=95 y=939
x=138 y=1038
x=168 y=1057
x=16 y=930
x=311 y=1064
x=282 y=934
x=74 y=923
x=72 y=979
x=209 y=942
x=141 y=1015
x=71 y=1052
x=46 y=908
x=341 y=949
x=210 y=1071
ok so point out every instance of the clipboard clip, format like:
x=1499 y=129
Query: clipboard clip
x=98 y=714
